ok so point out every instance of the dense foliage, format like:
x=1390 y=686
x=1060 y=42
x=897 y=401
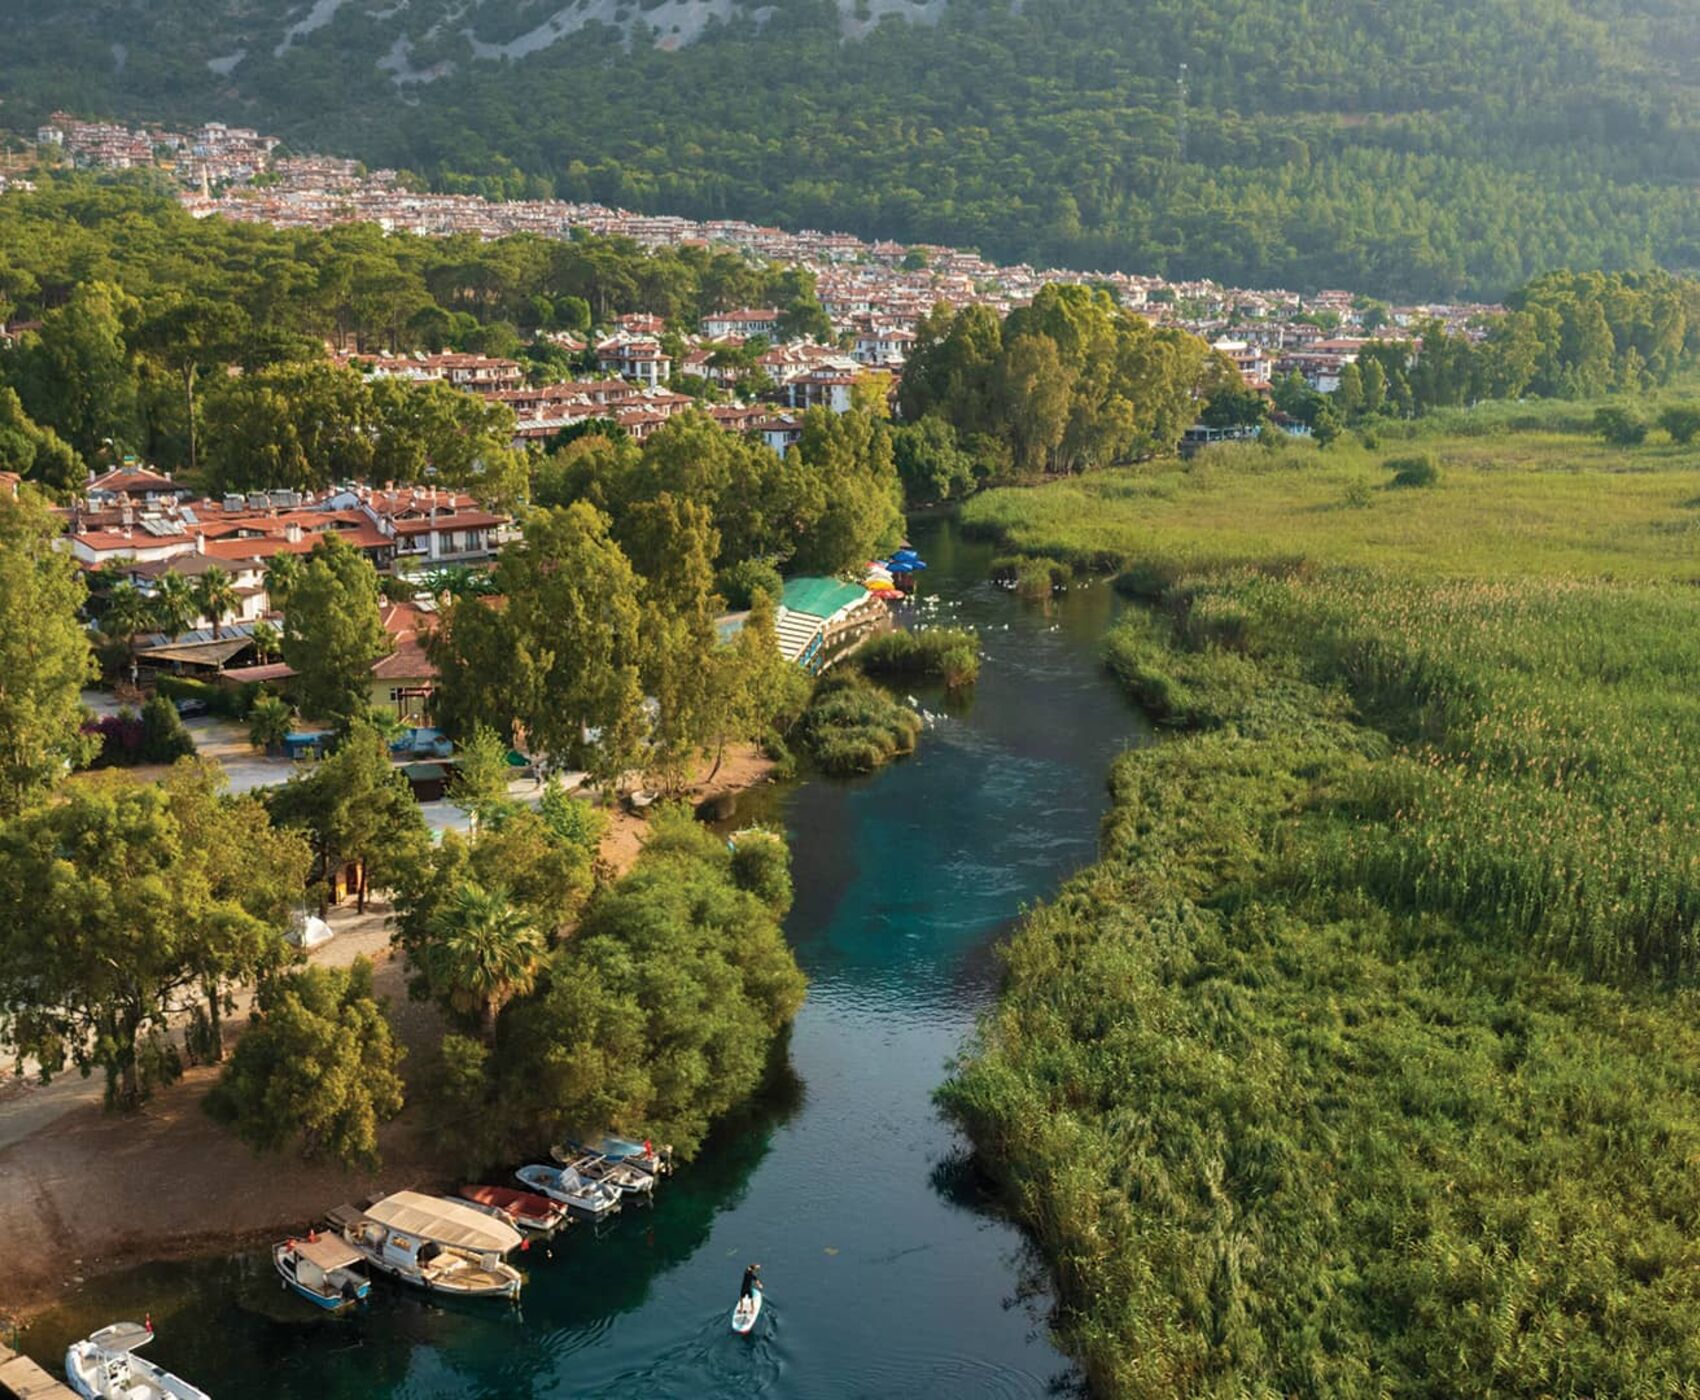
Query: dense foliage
x=143 y=309
x=127 y=902
x=854 y=726
x=948 y=654
x=1069 y=382
x=1428 y=151
x=1363 y=1063
x=655 y=1018
x=317 y=1068
x=44 y=654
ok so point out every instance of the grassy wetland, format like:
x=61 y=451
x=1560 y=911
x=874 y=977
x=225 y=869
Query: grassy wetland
x=1366 y=1061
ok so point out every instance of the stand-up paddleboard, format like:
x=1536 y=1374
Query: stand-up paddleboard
x=745 y=1314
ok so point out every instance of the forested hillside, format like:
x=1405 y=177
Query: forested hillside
x=1430 y=148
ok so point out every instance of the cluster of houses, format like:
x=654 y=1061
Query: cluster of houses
x=135 y=525
x=874 y=291
x=636 y=372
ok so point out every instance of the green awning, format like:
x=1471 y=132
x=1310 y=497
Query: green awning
x=821 y=597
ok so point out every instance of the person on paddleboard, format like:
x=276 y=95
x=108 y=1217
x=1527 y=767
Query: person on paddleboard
x=752 y=1278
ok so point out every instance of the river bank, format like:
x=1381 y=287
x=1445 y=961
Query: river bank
x=85 y=1193
x=888 y=1272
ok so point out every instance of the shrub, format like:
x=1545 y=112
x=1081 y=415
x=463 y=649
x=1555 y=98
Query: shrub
x=949 y=654
x=269 y=720
x=739 y=583
x=120 y=737
x=1682 y=422
x=1032 y=576
x=1621 y=427
x=852 y=726
x=761 y=864
x=1414 y=471
x=575 y=821
x=164 y=739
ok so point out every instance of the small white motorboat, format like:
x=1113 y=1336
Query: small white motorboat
x=627 y=1177
x=104 y=1366
x=745 y=1314
x=594 y=1199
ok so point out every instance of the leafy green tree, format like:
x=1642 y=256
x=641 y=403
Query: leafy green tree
x=573 y=821
x=36 y=453
x=1621 y=427
x=355 y=807
x=1235 y=406
x=247 y=863
x=930 y=462
x=319 y=1066
x=436 y=432
x=283 y=572
x=573 y=606
x=188 y=335
x=120 y=902
x=44 y=654
x=1327 y=428
x=298 y=425
x=77 y=375
x=481 y=776
x=128 y=611
x=164 y=739
x=850 y=458
x=1374 y=381
x=1349 y=397
x=266 y=638
x=678 y=944
x=333 y=631
x=672 y=544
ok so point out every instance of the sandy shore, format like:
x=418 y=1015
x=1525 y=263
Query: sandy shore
x=84 y=1192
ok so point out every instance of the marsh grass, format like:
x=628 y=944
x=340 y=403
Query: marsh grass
x=1364 y=1063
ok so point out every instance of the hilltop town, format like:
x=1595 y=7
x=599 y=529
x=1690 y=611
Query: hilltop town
x=874 y=293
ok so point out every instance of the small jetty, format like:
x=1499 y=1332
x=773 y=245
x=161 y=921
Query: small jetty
x=22 y=1379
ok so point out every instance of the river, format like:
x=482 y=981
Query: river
x=886 y=1274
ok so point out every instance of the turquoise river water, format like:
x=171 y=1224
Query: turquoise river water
x=886 y=1273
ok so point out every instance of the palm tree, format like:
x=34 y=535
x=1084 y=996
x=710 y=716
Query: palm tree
x=174 y=606
x=484 y=951
x=128 y=611
x=281 y=575
x=216 y=596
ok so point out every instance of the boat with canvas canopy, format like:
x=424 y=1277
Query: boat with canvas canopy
x=404 y=1236
x=323 y=1269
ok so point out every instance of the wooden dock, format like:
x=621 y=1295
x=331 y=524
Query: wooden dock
x=22 y=1379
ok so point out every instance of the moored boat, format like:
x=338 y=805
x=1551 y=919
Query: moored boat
x=324 y=1270
x=626 y=1177
x=439 y=1245
x=525 y=1210
x=104 y=1366
x=657 y=1161
x=594 y=1199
